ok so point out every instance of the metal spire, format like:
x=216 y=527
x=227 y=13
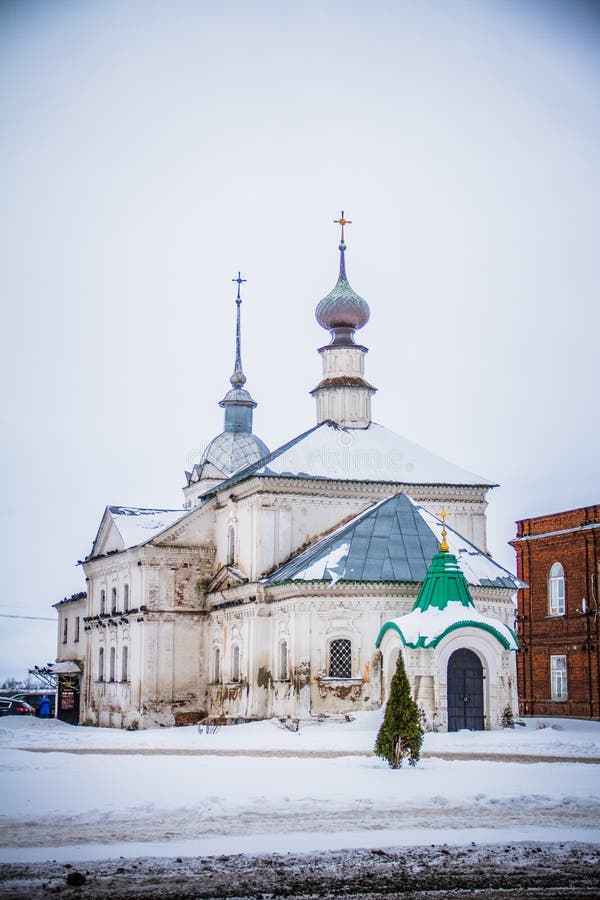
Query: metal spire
x=342 y=248
x=444 y=548
x=238 y=379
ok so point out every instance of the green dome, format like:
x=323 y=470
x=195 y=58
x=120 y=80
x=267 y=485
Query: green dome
x=444 y=583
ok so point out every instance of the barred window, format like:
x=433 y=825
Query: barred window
x=558 y=677
x=283 y=661
x=340 y=658
x=556 y=590
x=235 y=663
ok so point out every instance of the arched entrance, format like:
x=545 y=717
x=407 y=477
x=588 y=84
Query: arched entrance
x=465 y=691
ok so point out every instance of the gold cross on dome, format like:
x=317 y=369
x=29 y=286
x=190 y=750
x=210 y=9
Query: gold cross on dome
x=342 y=221
x=444 y=548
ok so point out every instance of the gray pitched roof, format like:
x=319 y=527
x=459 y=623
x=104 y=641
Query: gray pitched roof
x=394 y=540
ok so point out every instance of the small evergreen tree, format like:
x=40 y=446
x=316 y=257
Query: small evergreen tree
x=401 y=734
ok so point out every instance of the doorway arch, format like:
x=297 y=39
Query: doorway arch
x=465 y=691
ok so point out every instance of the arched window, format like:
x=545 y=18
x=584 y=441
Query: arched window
x=340 y=658
x=556 y=590
x=112 y=664
x=230 y=545
x=283 y=661
x=216 y=665
x=126 y=599
x=101 y=664
x=235 y=663
x=124 y=662
x=102 y=602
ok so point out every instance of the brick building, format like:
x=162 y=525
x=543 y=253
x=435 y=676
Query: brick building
x=558 y=665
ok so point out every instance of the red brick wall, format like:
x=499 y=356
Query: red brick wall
x=575 y=634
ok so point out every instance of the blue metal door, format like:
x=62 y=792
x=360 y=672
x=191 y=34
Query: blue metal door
x=465 y=691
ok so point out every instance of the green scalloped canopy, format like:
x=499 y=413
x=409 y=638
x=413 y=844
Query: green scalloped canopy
x=444 y=583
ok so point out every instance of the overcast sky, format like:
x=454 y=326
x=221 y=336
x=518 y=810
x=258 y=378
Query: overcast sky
x=150 y=150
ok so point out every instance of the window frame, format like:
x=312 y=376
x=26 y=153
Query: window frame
x=216 y=665
x=102 y=602
x=235 y=663
x=231 y=545
x=559 y=681
x=77 y=626
x=65 y=630
x=333 y=663
x=113 y=601
x=126 y=597
x=125 y=663
x=101 y=664
x=112 y=664
x=284 y=665
x=557 y=594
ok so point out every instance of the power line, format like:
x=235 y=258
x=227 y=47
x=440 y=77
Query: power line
x=37 y=618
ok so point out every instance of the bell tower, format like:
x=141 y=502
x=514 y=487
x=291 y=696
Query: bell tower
x=343 y=396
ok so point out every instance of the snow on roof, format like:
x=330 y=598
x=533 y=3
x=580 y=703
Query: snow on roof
x=426 y=628
x=393 y=540
x=136 y=526
x=362 y=454
x=478 y=568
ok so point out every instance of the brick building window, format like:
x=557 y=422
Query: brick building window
x=556 y=590
x=558 y=677
x=340 y=658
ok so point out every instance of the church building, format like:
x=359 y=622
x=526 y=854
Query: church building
x=291 y=579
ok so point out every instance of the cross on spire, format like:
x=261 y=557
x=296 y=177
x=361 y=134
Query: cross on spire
x=342 y=221
x=444 y=548
x=239 y=280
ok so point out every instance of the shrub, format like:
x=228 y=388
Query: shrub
x=401 y=733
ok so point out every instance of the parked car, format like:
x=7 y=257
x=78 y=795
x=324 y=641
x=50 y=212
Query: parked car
x=34 y=699
x=15 y=708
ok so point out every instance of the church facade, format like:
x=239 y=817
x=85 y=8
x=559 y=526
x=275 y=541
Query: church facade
x=282 y=586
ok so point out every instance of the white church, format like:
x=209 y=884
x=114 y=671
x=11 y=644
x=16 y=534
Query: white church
x=291 y=579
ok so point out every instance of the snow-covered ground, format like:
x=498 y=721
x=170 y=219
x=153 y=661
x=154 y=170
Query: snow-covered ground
x=538 y=737
x=103 y=792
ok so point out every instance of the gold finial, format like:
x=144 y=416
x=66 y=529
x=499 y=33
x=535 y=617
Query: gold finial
x=444 y=548
x=342 y=221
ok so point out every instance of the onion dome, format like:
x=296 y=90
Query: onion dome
x=342 y=311
x=342 y=307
